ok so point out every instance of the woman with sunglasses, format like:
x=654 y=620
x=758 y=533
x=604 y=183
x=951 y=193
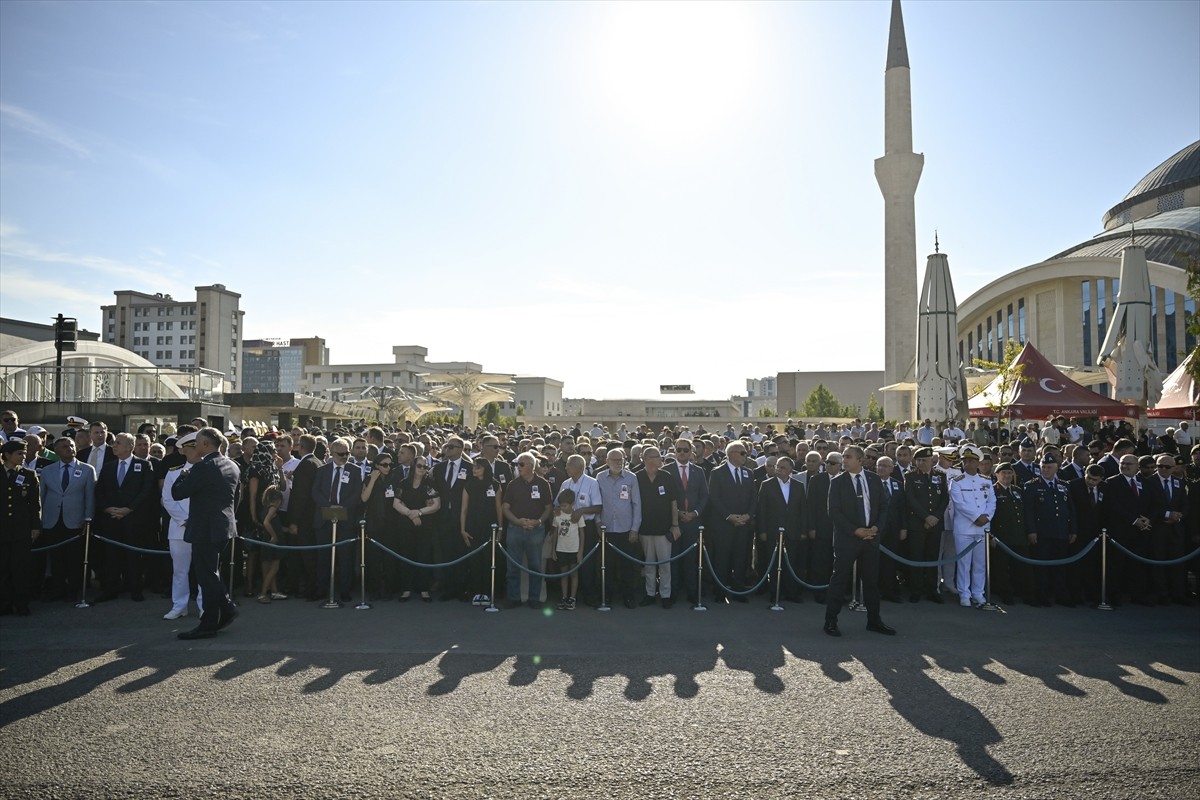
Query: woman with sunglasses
x=383 y=525
x=480 y=511
x=416 y=501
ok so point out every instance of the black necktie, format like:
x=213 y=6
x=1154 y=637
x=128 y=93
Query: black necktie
x=65 y=478
x=333 y=490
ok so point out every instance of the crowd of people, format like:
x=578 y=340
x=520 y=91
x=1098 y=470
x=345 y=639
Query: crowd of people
x=834 y=493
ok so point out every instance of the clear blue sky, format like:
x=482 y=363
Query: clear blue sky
x=601 y=183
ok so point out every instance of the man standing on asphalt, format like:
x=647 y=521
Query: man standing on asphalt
x=621 y=517
x=211 y=485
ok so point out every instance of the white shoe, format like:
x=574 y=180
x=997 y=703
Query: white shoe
x=965 y=602
x=175 y=614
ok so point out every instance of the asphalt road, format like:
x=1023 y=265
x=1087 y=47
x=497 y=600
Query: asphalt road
x=444 y=700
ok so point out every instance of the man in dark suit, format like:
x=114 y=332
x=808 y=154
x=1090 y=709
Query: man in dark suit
x=731 y=506
x=1087 y=500
x=302 y=520
x=693 y=500
x=126 y=502
x=338 y=484
x=211 y=485
x=449 y=477
x=820 y=527
x=781 y=506
x=1027 y=467
x=857 y=502
x=1124 y=514
x=894 y=528
x=68 y=495
x=1165 y=505
x=98 y=453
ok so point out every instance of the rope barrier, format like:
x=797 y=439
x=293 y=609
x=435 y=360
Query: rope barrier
x=791 y=571
x=548 y=575
x=274 y=546
x=675 y=557
x=56 y=544
x=143 y=550
x=1169 y=563
x=939 y=563
x=444 y=564
x=1048 y=562
x=761 y=581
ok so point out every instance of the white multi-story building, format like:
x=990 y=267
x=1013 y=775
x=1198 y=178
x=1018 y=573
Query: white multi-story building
x=204 y=332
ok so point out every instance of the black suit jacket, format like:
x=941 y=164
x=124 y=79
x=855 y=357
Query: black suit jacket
x=846 y=508
x=1157 y=502
x=211 y=486
x=818 y=506
x=1122 y=506
x=138 y=493
x=1088 y=513
x=725 y=497
x=301 y=508
x=350 y=495
x=452 y=498
x=773 y=513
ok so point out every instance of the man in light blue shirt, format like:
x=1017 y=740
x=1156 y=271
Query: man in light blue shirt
x=621 y=516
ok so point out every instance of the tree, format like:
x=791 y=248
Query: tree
x=1191 y=263
x=1012 y=375
x=491 y=413
x=821 y=403
x=766 y=412
x=851 y=412
x=874 y=410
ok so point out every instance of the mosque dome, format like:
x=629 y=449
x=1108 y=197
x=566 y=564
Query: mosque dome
x=1172 y=185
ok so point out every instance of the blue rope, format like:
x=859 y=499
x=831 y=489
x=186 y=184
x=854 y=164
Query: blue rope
x=1172 y=562
x=143 y=550
x=56 y=544
x=549 y=575
x=1048 y=562
x=940 y=563
x=675 y=557
x=791 y=571
x=273 y=546
x=458 y=560
x=725 y=589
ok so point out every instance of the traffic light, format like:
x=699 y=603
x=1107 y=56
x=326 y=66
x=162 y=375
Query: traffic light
x=66 y=333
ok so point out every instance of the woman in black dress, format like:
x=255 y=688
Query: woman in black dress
x=480 y=511
x=416 y=502
x=383 y=525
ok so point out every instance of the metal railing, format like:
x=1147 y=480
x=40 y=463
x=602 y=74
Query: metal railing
x=89 y=384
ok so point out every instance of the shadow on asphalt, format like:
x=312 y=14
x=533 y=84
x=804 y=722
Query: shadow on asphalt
x=59 y=656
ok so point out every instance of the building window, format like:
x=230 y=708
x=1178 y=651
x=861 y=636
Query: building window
x=1169 y=319
x=1021 y=320
x=1085 y=291
x=979 y=341
x=1101 y=313
x=990 y=350
x=971 y=347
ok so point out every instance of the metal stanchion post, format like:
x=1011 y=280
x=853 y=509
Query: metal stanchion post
x=700 y=573
x=603 y=571
x=332 y=602
x=87 y=548
x=988 y=605
x=778 y=572
x=1104 y=606
x=492 y=596
x=362 y=565
x=854 y=604
x=232 y=561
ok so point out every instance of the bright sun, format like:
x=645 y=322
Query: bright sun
x=677 y=74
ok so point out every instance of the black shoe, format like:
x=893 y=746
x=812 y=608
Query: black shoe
x=198 y=633
x=228 y=615
x=512 y=603
x=878 y=627
x=630 y=603
x=741 y=598
x=914 y=598
x=137 y=597
x=105 y=597
x=648 y=600
x=936 y=597
x=831 y=628
x=535 y=605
